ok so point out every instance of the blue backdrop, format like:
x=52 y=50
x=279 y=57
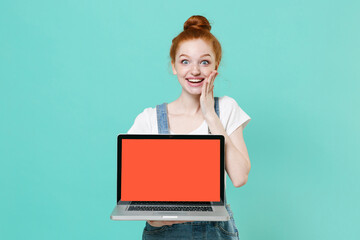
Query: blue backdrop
x=75 y=74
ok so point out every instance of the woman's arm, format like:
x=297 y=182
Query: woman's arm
x=237 y=162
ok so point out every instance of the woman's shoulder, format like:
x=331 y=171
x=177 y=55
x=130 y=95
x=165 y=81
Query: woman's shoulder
x=231 y=114
x=144 y=121
x=227 y=102
x=147 y=113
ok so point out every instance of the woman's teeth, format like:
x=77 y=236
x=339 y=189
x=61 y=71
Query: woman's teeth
x=195 y=80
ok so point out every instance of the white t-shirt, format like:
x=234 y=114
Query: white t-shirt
x=231 y=117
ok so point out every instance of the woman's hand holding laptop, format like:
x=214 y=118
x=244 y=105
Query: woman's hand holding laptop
x=162 y=223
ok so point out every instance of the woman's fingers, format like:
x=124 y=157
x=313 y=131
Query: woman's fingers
x=204 y=88
x=211 y=80
x=162 y=223
x=208 y=85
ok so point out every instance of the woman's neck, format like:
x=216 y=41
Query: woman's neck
x=187 y=104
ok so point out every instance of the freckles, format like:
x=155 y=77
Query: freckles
x=208 y=73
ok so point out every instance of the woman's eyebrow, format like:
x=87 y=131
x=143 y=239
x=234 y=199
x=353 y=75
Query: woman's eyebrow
x=200 y=56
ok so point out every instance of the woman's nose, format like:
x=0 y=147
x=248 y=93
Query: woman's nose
x=195 y=69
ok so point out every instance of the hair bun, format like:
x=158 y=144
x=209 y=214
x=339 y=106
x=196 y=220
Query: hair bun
x=197 y=22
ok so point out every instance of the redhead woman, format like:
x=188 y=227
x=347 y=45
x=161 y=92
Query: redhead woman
x=195 y=57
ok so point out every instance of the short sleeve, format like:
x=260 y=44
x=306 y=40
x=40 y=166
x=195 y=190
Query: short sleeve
x=234 y=115
x=142 y=123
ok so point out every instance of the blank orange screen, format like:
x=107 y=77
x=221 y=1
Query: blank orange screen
x=170 y=170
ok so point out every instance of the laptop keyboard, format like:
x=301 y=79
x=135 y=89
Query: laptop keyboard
x=187 y=206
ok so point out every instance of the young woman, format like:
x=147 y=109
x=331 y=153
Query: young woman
x=195 y=57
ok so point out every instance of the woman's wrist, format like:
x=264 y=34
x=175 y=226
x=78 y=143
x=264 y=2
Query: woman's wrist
x=210 y=117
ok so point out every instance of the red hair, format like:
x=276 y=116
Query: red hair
x=194 y=28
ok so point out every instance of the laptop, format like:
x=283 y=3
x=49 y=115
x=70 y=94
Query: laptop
x=170 y=177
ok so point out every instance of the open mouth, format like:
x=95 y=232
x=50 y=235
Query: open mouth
x=195 y=80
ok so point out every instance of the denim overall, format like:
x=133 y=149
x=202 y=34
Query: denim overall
x=197 y=229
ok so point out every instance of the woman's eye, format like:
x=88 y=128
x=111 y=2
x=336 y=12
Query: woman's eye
x=187 y=62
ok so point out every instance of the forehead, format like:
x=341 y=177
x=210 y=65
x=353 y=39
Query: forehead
x=195 y=48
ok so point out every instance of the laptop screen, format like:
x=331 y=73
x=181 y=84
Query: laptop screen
x=170 y=170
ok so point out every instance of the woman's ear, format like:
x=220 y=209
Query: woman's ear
x=173 y=68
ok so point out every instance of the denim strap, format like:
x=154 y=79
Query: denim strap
x=162 y=119
x=217 y=110
x=216 y=105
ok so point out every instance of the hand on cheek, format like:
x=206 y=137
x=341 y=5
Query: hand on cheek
x=207 y=94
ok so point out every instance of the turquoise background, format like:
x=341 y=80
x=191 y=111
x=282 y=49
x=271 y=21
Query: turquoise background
x=75 y=74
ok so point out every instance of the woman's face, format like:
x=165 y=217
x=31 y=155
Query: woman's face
x=194 y=61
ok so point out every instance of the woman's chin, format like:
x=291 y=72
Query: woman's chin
x=194 y=92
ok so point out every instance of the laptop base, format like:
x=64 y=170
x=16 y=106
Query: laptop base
x=219 y=213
